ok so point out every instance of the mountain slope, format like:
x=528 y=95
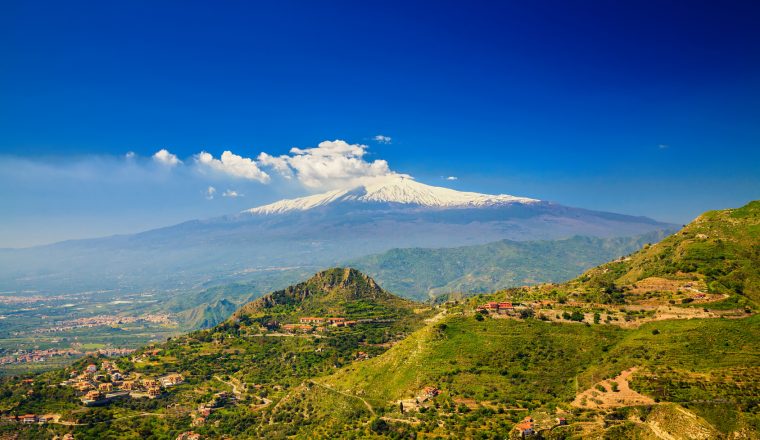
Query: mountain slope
x=207 y=315
x=484 y=370
x=424 y=273
x=719 y=251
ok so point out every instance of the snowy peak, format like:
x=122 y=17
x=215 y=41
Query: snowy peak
x=395 y=190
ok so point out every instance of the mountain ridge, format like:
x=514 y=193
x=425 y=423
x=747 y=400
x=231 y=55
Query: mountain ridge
x=423 y=273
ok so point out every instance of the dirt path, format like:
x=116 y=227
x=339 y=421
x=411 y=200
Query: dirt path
x=408 y=422
x=625 y=396
x=369 y=407
x=437 y=317
x=283 y=335
x=238 y=394
x=659 y=432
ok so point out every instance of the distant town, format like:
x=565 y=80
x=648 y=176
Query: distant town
x=105 y=320
x=30 y=356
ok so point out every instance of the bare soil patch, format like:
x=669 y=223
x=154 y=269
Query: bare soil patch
x=595 y=398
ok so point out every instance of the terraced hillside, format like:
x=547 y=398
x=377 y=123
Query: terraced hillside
x=717 y=254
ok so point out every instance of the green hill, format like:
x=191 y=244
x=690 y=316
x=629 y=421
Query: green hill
x=720 y=250
x=485 y=370
x=341 y=292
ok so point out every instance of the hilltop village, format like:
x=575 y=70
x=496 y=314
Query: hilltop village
x=104 y=383
x=101 y=384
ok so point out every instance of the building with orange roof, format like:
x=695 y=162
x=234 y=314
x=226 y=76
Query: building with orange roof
x=171 y=379
x=311 y=320
x=83 y=386
x=150 y=383
x=93 y=395
x=525 y=427
x=297 y=327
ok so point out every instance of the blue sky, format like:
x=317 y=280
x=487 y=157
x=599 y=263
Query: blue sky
x=647 y=108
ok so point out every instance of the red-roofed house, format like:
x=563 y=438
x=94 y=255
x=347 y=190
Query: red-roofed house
x=525 y=428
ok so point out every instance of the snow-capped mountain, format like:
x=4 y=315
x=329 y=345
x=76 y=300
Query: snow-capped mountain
x=393 y=190
x=317 y=231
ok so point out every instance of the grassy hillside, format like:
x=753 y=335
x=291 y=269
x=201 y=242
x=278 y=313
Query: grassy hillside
x=719 y=248
x=493 y=372
x=207 y=315
x=423 y=273
x=505 y=362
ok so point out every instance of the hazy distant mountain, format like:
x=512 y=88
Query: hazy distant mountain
x=422 y=273
x=314 y=231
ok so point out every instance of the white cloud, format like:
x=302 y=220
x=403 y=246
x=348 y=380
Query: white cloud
x=452 y=178
x=663 y=146
x=279 y=164
x=210 y=192
x=231 y=193
x=164 y=157
x=382 y=139
x=130 y=155
x=331 y=164
x=233 y=165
